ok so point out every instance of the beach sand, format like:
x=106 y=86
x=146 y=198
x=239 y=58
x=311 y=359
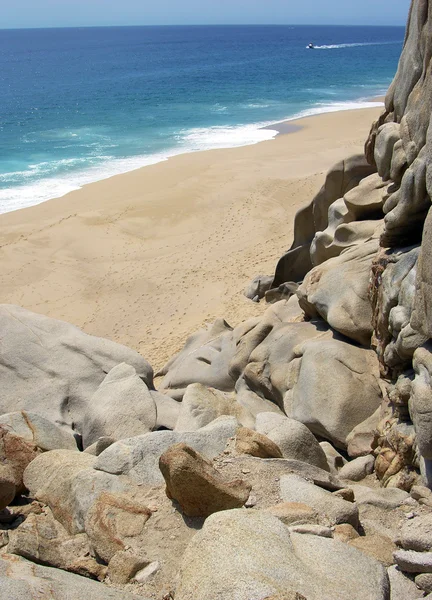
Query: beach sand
x=148 y=257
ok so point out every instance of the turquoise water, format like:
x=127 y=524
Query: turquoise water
x=79 y=105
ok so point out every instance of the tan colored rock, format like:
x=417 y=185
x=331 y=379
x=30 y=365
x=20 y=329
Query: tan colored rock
x=16 y=453
x=7 y=486
x=294 y=513
x=346 y=494
x=124 y=565
x=345 y=532
x=195 y=484
x=40 y=538
x=256 y=444
x=111 y=520
x=376 y=546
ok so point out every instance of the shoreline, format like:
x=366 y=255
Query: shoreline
x=283 y=127
x=148 y=257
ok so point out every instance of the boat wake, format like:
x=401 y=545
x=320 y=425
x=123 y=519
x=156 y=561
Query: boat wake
x=337 y=46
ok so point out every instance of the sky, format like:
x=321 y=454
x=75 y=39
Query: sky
x=77 y=13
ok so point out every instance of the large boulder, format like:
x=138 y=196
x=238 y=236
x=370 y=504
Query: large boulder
x=420 y=403
x=332 y=387
x=196 y=485
x=341 y=178
x=138 y=457
x=15 y=455
x=337 y=291
x=294 y=488
x=52 y=368
x=121 y=407
x=294 y=439
x=200 y=406
x=259 y=558
x=204 y=359
x=24 y=580
x=38 y=431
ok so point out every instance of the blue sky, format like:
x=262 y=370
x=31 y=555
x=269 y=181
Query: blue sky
x=63 y=13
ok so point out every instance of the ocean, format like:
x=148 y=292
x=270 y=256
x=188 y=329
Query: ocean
x=82 y=104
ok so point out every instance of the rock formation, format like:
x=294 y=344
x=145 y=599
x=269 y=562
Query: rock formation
x=287 y=457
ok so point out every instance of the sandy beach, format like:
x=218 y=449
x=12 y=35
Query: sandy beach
x=148 y=257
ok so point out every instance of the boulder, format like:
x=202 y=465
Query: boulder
x=124 y=565
x=387 y=498
x=113 y=519
x=42 y=539
x=138 y=457
x=52 y=368
x=204 y=359
x=416 y=534
x=38 y=431
x=200 y=406
x=258 y=287
x=413 y=562
x=16 y=454
x=196 y=485
x=363 y=439
x=68 y=484
x=424 y=582
x=122 y=406
x=358 y=469
x=294 y=488
x=259 y=557
x=7 y=486
x=377 y=546
x=297 y=442
x=401 y=587
x=24 y=580
x=420 y=403
x=294 y=513
x=335 y=460
x=332 y=387
x=337 y=291
x=167 y=410
x=256 y=444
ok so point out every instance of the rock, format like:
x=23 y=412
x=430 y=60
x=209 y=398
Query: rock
x=421 y=318
x=256 y=444
x=258 y=286
x=297 y=442
x=420 y=491
x=147 y=572
x=387 y=136
x=98 y=447
x=424 y=582
x=379 y=547
x=266 y=421
x=204 y=359
x=24 y=580
x=296 y=489
x=42 y=539
x=312 y=529
x=337 y=290
x=16 y=454
x=420 y=404
x=167 y=410
x=416 y=534
x=363 y=439
x=38 y=431
x=401 y=587
x=138 y=457
x=345 y=533
x=53 y=369
x=294 y=513
x=121 y=407
x=200 y=406
x=340 y=179
x=413 y=562
x=335 y=460
x=259 y=558
x=68 y=484
x=195 y=484
x=7 y=486
x=346 y=494
x=111 y=520
x=358 y=469
x=387 y=498
x=124 y=565
x=332 y=387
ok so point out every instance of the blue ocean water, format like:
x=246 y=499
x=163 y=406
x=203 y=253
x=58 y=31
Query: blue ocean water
x=78 y=105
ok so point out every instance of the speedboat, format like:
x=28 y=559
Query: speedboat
x=310 y=46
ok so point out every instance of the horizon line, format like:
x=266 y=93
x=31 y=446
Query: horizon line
x=196 y=25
